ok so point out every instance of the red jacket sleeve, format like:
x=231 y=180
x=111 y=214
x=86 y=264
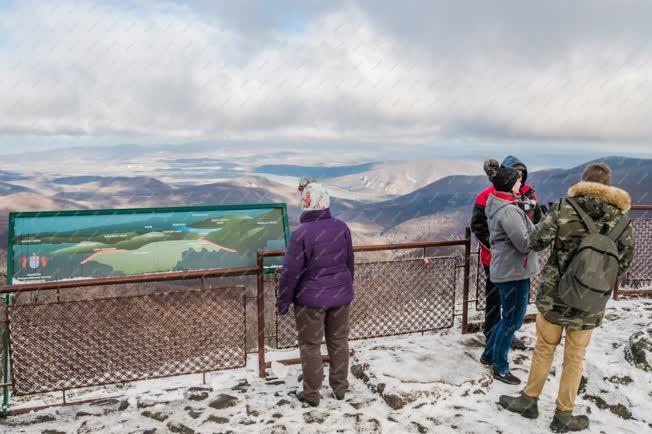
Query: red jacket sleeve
x=479 y=225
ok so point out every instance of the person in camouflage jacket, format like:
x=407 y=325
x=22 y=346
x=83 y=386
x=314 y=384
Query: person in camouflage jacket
x=563 y=228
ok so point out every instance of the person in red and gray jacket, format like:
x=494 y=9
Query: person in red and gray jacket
x=480 y=228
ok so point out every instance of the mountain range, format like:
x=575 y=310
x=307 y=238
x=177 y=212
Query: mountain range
x=382 y=202
x=457 y=193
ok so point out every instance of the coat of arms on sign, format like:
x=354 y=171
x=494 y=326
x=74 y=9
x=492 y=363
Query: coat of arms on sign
x=34 y=261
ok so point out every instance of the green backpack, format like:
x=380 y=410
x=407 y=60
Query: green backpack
x=587 y=283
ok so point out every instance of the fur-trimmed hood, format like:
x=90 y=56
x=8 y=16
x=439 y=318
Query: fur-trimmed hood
x=604 y=193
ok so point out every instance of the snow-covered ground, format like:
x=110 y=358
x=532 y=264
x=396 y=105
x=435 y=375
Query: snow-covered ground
x=420 y=383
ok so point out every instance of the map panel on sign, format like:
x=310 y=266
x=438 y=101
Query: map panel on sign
x=90 y=244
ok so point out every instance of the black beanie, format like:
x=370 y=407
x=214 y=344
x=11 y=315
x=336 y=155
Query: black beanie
x=505 y=179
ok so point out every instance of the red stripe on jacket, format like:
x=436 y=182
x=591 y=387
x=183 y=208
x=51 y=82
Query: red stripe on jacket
x=482 y=226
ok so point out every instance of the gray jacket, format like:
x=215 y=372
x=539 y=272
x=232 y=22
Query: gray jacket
x=509 y=230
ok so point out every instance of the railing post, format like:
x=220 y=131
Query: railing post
x=260 y=302
x=617 y=290
x=467 y=280
x=5 y=358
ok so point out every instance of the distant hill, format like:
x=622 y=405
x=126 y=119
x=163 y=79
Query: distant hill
x=10 y=176
x=457 y=193
x=389 y=180
x=77 y=180
x=434 y=210
x=27 y=201
x=632 y=174
x=125 y=182
x=111 y=192
x=7 y=189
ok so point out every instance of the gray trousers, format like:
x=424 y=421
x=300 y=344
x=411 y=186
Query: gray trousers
x=312 y=324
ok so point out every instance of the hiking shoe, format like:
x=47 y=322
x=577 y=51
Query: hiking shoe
x=486 y=362
x=301 y=397
x=340 y=396
x=507 y=378
x=524 y=405
x=564 y=421
x=518 y=344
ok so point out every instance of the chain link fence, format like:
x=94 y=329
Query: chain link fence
x=639 y=274
x=638 y=277
x=59 y=346
x=481 y=279
x=393 y=298
x=4 y=337
x=62 y=341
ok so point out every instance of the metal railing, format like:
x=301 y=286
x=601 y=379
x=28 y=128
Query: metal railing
x=480 y=279
x=188 y=325
x=391 y=297
x=183 y=325
x=638 y=279
x=636 y=282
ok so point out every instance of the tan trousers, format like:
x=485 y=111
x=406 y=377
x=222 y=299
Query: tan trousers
x=548 y=337
x=312 y=324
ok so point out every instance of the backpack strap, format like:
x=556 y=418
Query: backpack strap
x=620 y=228
x=588 y=221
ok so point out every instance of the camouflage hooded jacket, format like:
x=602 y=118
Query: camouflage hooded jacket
x=563 y=229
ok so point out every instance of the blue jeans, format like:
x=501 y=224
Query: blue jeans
x=513 y=302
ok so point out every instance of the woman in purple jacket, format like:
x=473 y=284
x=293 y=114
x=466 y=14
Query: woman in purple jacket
x=317 y=276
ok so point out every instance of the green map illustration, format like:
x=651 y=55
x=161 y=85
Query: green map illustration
x=61 y=246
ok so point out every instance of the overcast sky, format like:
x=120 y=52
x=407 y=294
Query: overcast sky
x=443 y=74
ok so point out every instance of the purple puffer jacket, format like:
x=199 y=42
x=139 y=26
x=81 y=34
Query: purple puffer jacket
x=318 y=267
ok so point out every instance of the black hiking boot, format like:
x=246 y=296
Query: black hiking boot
x=302 y=398
x=564 y=421
x=339 y=396
x=507 y=378
x=486 y=362
x=524 y=405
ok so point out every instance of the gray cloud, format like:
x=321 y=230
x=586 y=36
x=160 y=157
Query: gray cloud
x=410 y=72
x=535 y=31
